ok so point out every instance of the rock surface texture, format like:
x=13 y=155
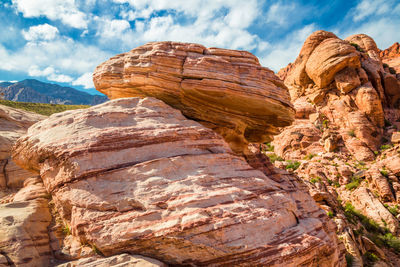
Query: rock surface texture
x=391 y=56
x=344 y=141
x=13 y=124
x=226 y=90
x=134 y=175
x=345 y=82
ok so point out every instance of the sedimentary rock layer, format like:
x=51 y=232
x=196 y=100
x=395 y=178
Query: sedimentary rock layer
x=13 y=124
x=226 y=90
x=345 y=82
x=134 y=175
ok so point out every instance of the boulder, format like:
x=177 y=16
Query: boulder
x=366 y=44
x=226 y=90
x=13 y=124
x=134 y=175
x=328 y=58
x=23 y=233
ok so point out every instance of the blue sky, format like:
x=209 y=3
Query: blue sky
x=63 y=41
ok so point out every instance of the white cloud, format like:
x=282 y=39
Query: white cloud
x=64 y=10
x=371 y=7
x=85 y=80
x=209 y=22
x=50 y=73
x=40 y=32
x=378 y=19
x=113 y=28
x=279 y=13
x=279 y=55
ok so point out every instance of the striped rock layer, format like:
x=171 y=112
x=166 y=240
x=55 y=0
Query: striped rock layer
x=226 y=90
x=134 y=175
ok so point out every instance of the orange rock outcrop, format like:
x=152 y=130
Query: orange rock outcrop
x=134 y=175
x=226 y=90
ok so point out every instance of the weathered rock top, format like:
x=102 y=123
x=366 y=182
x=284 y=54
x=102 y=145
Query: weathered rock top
x=226 y=90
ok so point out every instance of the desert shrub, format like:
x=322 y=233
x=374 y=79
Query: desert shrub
x=392 y=70
x=369 y=259
x=385 y=147
x=394 y=210
x=309 y=156
x=355 y=182
x=385 y=65
x=292 y=164
x=269 y=147
x=357 y=47
x=65 y=229
x=385 y=172
x=316 y=179
x=325 y=123
x=273 y=157
x=351 y=133
x=330 y=214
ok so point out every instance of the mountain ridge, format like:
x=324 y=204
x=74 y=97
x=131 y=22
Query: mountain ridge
x=31 y=90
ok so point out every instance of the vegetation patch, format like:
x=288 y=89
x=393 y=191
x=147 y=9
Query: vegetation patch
x=381 y=236
x=41 y=108
x=309 y=156
x=294 y=165
x=385 y=147
x=385 y=172
x=269 y=147
x=273 y=157
x=355 y=182
x=357 y=47
x=316 y=180
x=351 y=133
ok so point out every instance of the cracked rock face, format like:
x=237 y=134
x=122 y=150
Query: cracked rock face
x=226 y=90
x=134 y=175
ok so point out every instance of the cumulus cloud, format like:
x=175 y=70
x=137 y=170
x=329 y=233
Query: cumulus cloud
x=64 y=10
x=212 y=23
x=40 y=32
x=282 y=53
x=50 y=73
x=85 y=80
x=113 y=28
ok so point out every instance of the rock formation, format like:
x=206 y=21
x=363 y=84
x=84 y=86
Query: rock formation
x=13 y=124
x=343 y=140
x=134 y=175
x=391 y=58
x=345 y=82
x=24 y=214
x=226 y=90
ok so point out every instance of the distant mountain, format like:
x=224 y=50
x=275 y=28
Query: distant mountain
x=31 y=90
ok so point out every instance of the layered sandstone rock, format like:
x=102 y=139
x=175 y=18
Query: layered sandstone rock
x=347 y=114
x=23 y=233
x=118 y=260
x=348 y=87
x=13 y=124
x=134 y=175
x=391 y=56
x=226 y=90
